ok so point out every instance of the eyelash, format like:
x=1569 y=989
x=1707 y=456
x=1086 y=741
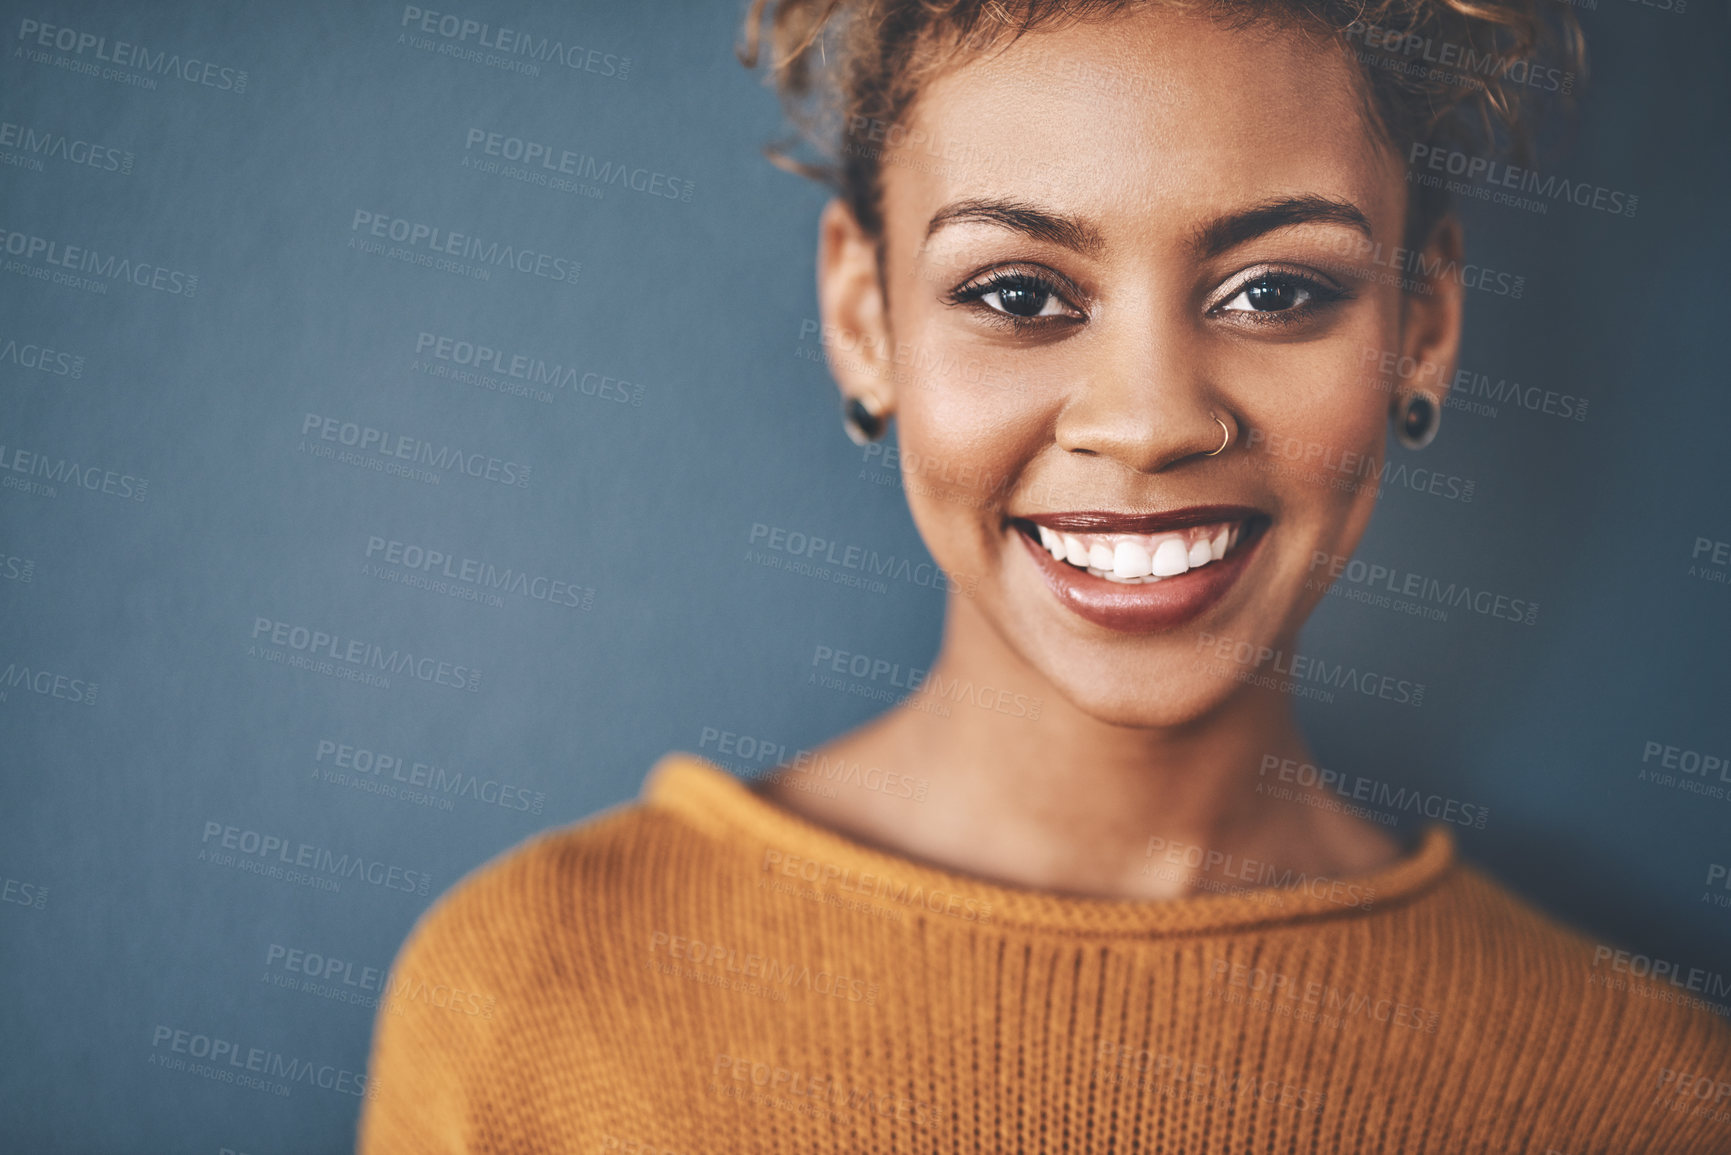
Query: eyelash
x=1321 y=295
x=1042 y=280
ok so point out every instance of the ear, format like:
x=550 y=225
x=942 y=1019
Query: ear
x=1430 y=330
x=855 y=320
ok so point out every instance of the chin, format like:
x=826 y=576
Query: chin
x=1184 y=697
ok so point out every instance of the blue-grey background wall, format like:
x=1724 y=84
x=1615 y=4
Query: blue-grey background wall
x=185 y=526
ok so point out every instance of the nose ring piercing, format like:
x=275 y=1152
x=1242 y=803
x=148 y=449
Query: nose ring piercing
x=1225 y=436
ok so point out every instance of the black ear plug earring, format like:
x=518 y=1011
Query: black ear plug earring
x=1415 y=418
x=865 y=422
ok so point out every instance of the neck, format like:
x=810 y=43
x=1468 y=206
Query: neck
x=1066 y=802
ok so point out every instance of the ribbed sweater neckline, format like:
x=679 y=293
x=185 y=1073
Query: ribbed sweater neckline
x=719 y=804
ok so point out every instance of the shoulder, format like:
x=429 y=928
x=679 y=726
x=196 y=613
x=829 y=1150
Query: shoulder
x=546 y=897
x=510 y=970
x=1522 y=1017
x=1612 y=1007
x=567 y=909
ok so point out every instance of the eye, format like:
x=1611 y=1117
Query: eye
x=1277 y=295
x=1018 y=297
x=1022 y=296
x=1270 y=295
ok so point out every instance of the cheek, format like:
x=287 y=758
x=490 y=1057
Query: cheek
x=966 y=430
x=1339 y=424
x=1317 y=420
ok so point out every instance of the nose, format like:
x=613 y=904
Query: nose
x=1144 y=402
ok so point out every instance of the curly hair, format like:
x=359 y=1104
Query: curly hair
x=1446 y=74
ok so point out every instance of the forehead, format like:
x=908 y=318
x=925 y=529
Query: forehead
x=1153 y=109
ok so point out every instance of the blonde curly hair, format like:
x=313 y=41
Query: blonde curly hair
x=1451 y=74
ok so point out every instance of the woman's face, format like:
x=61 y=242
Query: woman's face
x=1097 y=241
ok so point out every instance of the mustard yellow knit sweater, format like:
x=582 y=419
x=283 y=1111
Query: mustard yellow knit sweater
x=702 y=972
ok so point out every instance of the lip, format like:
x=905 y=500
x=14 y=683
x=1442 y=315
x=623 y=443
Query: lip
x=1154 y=606
x=1107 y=521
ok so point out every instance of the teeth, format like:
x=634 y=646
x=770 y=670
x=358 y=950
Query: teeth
x=1171 y=558
x=1130 y=560
x=1141 y=557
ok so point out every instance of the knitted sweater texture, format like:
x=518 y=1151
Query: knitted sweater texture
x=703 y=972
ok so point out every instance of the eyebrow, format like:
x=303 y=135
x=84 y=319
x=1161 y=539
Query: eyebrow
x=1021 y=217
x=1209 y=240
x=1218 y=236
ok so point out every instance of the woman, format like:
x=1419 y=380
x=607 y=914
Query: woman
x=1106 y=268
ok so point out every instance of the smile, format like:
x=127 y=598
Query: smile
x=1142 y=572
x=1143 y=557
